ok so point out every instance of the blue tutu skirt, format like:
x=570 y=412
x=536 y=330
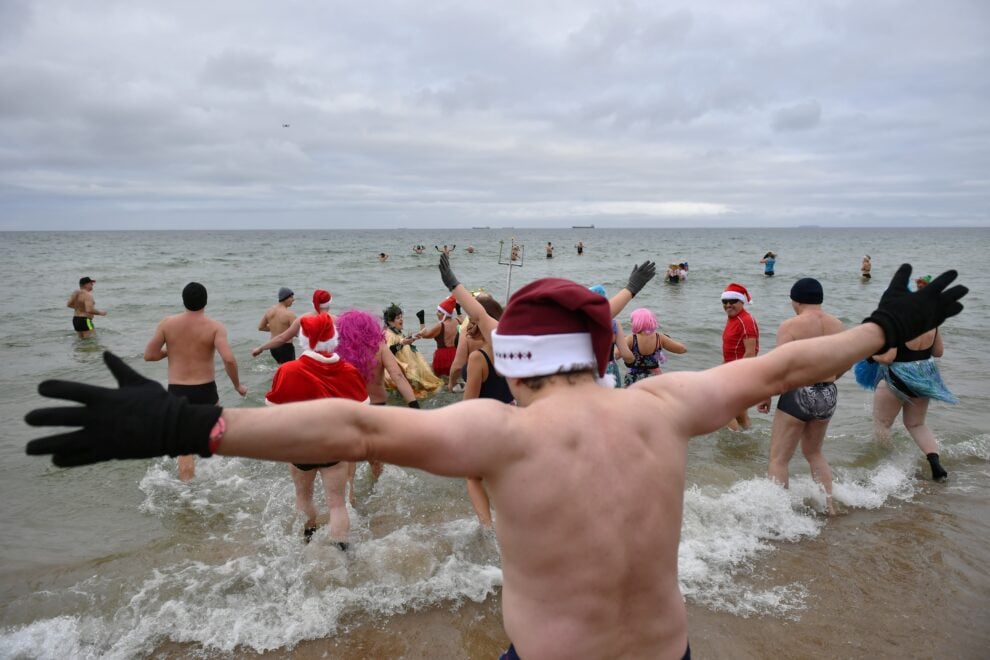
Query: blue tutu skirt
x=921 y=377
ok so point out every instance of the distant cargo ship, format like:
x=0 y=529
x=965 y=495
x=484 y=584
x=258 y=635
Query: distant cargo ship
x=582 y=226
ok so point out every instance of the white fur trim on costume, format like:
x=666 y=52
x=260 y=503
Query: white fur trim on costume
x=323 y=358
x=449 y=315
x=733 y=295
x=525 y=356
x=328 y=346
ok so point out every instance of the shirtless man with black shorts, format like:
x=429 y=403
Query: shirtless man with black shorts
x=803 y=413
x=81 y=302
x=277 y=320
x=588 y=481
x=188 y=341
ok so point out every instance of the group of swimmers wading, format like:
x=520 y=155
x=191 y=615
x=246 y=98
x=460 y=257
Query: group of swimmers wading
x=558 y=465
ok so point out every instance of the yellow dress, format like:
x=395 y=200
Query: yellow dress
x=419 y=374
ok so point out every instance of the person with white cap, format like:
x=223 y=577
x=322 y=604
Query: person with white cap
x=321 y=305
x=319 y=373
x=588 y=481
x=803 y=413
x=277 y=320
x=740 y=337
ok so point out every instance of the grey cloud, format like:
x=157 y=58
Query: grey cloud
x=798 y=117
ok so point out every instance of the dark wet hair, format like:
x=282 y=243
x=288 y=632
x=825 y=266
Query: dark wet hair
x=391 y=312
x=194 y=296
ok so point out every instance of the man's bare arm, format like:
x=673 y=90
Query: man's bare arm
x=263 y=326
x=229 y=361
x=279 y=339
x=724 y=390
x=336 y=429
x=749 y=347
x=156 y=349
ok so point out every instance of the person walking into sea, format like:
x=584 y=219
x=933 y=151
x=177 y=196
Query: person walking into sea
x=483 y=382
x=549 y=250
x=416 y=370
x=445 y=250
x=740 y=337
x=803 y=413
x=188 y=341
x=905 y=379
x=865 y=267
x=768 y=261
x=588 y=481
x=580 y=248
x=362 y=344
x=321 y=305
x=444 y=331
x=646 y=344
x=319 y=374
x=84 y=308
x=277 y=320
x=382 y=257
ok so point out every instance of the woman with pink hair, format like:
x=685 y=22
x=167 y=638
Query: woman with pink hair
x=361 y=342
x=647 y=343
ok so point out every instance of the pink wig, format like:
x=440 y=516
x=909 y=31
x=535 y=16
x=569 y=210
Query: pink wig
x=643 y=321
x=360 y=336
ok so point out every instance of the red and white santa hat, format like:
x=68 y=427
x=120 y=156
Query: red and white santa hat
x=736 y=292
x=447 y=306
x=317 y=332
x=321 y=300
x=551 y=326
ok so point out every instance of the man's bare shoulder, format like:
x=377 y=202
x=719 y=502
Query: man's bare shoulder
x=810 y=324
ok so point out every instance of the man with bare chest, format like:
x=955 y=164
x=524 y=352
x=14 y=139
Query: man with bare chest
x=84 y=308
x=277 y=320
x=188 y=341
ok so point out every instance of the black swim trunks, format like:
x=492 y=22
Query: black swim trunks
x=511 y=654
x=82 y=323
x=306 y=467
x=810 y=402
x=284 y=353
x=205 y=393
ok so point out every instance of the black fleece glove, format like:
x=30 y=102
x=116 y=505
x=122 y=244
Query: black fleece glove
x=640 y=275
x=446 y=274
x=138 y=420
x=413 y=404
x=421 y=315
x=904 y=315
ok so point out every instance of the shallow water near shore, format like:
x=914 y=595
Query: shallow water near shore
x=123 y=560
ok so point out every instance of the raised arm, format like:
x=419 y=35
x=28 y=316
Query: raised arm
x=468 y=302
x=638 y=278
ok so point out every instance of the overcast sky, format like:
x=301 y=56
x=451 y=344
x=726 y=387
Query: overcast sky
x=253 y=114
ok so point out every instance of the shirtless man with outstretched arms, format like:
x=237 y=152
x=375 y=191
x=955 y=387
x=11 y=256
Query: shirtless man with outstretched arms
x=188 y=341
x=588 y=482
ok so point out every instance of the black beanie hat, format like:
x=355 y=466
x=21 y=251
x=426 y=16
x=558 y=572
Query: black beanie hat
x=194 y=296
x=807 y=291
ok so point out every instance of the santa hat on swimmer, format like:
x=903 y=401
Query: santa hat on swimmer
x=552 y=326
x=321 y=300
x=447 y=306
x=318 y=334
x=736 y=292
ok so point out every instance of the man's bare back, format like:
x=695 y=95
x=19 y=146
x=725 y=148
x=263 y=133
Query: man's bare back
x=277 y=319
x=191 y=340
x=576 y=465
x=807 y=324
x=82 y=303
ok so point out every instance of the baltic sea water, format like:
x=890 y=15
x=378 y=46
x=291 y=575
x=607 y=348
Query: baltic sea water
x=123 y=560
